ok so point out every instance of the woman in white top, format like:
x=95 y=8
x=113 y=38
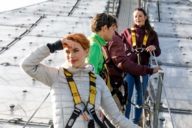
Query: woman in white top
x=76 y=47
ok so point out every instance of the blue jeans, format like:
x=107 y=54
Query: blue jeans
x=140 y=89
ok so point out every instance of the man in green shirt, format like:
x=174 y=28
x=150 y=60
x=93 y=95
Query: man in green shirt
x=103 y=27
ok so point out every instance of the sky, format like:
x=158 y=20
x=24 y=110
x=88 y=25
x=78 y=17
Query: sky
x=6 y=5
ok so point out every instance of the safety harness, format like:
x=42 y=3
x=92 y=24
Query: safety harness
x=104 y=74
x=137 y=50
x=111 y=83
x=79 y=106
x=133 y=36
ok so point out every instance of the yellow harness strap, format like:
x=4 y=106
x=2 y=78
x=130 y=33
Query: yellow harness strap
x=133 y=37
x=145 y=39
x=78 y=103
x=73 y=87
x=74 y=90
x=106 y=75
x=92 y=90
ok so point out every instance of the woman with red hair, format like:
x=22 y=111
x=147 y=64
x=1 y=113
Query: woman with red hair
x=77 y=93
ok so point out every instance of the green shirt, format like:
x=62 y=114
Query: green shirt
x=95 y=57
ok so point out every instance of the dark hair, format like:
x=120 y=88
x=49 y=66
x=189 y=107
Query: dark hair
x=101 y=20
x=147 y=24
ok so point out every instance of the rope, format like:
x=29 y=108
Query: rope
x=36 y=110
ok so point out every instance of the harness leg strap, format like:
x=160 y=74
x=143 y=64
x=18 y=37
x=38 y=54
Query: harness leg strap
x=91 y=124
x=73 y=118
x=94 y=115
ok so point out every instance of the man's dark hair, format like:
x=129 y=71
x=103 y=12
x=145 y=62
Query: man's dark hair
x=101 y=20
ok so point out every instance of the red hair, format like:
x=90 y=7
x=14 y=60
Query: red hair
x=79 y=38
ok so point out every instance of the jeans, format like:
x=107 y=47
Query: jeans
x=140 y=89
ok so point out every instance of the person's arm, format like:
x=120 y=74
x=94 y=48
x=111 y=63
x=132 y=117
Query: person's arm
x=117 y=52
x=95 y=58
x=111 y=110
x=156 y=44
x=32 y=64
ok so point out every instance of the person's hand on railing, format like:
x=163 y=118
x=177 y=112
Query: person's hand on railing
x=150 y=48
x=156 y=69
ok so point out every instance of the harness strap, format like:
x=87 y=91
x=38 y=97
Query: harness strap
x=106 y=76
x=115 y=89
x=91 y=102
x=79 y=106
x=76 y=98
x=73 y=87
x=94 y=115
x=73 y=118
x=133 y=37
x=92 y=90
x=119 y=95
x=137 y=49
x=107 y=80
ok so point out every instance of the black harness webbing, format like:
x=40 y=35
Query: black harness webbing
x=79 y=106
x=122 y=98
x=115 y=88
x=137 y=49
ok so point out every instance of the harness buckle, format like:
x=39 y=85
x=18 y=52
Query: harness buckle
x=139 y=50
x=90 y=106
x=79 y=108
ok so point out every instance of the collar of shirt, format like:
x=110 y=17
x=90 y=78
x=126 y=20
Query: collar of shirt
x=98 y=39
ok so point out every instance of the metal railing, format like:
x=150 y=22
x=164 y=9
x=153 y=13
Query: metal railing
x=113 y=7
x=155 y=85
x=144 y=4
x=155 y=90
x=155 y=95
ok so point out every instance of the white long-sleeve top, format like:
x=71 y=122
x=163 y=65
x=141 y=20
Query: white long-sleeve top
x=62 y=99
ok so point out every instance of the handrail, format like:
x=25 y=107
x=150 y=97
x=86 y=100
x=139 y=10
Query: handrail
x=157 y=98
x=113 y=7
x=20 y=122
x=75 y=5
x=142 y=3
x=155 y=93
x=16 y=39
x=158 y=11
x=36 y=110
